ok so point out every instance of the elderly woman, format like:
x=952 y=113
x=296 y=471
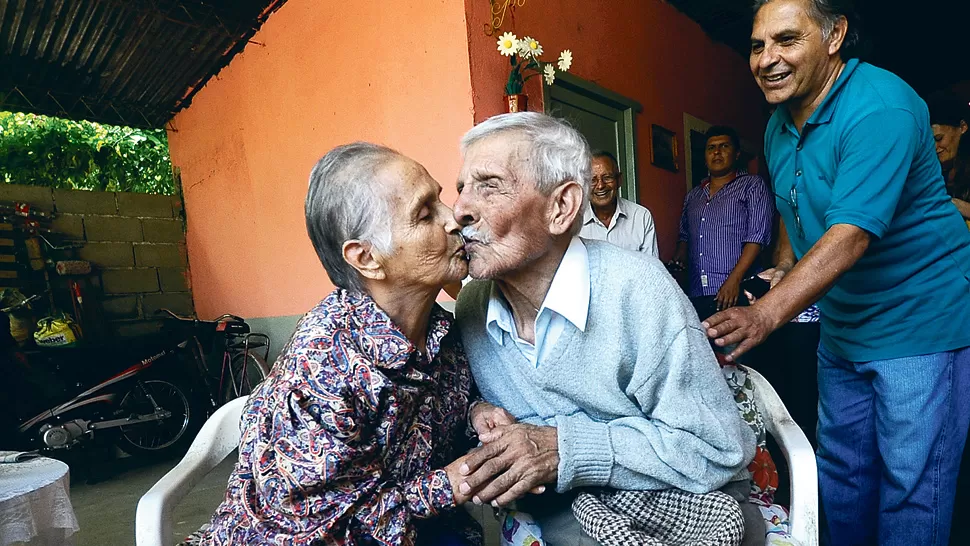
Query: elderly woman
x=354 y=436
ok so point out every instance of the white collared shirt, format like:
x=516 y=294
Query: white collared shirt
x=631 y=228
x=566 y=300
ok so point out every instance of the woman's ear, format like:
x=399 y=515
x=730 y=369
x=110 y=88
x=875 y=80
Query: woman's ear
x=361 y=256
x=566 y=203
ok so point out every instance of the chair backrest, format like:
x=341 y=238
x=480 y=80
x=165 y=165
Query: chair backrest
x=802 y=470
x=217 y=439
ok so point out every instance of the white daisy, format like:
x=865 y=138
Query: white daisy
x=508 y=45
x=530 y=47
x=565 y=60
x=549 y=73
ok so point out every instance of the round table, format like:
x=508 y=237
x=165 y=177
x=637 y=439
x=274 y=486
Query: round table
x=35 y=503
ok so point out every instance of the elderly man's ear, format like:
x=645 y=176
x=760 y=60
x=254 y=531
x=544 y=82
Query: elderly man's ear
x=362 y=257
x=565 y=205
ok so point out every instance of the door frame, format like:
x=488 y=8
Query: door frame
x=593 y=98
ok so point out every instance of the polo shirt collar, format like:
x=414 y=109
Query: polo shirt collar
x=823 y=114
x=568 y=295
x=621 y=210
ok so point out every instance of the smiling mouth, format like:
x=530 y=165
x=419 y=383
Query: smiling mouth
x=775 y=78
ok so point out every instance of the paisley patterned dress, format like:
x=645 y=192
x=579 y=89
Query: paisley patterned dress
x=346 y=440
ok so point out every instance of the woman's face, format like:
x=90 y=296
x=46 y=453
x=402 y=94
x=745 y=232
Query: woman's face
x=948 y=141
x=426 y=250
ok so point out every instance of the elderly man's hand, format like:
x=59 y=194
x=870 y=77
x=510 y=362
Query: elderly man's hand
x=745 y=326
x=486 y=419
x=521 y=458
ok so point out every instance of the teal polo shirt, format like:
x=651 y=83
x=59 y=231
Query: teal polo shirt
x=866 y=157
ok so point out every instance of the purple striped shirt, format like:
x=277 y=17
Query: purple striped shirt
x=716 y=229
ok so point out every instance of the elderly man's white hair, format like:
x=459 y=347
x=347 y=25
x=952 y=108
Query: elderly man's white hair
x=558 y=152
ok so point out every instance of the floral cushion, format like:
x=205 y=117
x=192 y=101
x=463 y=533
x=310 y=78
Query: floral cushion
x=764 y=475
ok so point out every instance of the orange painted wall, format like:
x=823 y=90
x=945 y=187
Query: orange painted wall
x=643 y=49
x=327 y=73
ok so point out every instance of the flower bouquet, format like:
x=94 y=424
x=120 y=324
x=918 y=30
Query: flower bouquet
x=524 y=57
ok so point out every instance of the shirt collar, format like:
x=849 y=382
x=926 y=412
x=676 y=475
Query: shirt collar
x=823 y=114
x=381 y=339
x=568 y=295
x=621 y=210
x=738 y=174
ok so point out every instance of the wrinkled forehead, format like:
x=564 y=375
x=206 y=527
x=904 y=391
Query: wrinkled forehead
x=505 y=153
x=719 y=139
x=782 y=16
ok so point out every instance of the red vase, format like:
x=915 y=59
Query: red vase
x=517 y=103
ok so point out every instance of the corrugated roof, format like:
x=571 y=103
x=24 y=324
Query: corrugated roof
x=127 y=62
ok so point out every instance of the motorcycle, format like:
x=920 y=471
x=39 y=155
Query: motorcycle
x=141 y=394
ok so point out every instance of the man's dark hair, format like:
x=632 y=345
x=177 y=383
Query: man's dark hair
x=724 y=130
x=604 y=153
x=948 y=109
x=826 y=14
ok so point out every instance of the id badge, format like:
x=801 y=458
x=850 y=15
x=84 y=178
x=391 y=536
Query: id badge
x=704 y=281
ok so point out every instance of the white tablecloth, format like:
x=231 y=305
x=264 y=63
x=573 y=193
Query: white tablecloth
x=35 y=503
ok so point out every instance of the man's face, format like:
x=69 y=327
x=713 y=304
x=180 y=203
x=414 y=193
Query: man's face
x=720 y=155
x=426 y=249
x=948 y=141
x=606 y=183
x=504 y=217
x=788 y=52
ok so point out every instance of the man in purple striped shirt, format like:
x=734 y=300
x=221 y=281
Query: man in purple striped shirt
x=726 y=222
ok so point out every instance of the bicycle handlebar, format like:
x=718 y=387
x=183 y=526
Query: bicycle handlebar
x=223 y=318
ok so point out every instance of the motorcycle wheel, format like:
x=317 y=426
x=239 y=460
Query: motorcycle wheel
x=164 y=437
x=242 y=380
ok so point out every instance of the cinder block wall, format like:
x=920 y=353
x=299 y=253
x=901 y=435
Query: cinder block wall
x=135 y=240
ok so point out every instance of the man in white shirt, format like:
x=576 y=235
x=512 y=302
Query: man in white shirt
x=611 y=218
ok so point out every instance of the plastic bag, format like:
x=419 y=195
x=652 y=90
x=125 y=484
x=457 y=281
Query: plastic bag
x=21 y=323
x=56 y=331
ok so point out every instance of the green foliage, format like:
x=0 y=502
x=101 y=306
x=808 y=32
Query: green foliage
x=60 y=153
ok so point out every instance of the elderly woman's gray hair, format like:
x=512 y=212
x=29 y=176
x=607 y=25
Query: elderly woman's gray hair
x=558 y=153
x=345 y=202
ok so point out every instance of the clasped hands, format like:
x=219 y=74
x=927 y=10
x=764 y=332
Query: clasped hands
x=515 y=459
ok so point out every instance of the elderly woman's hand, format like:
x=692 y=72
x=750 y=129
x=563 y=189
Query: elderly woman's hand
x=486 y=419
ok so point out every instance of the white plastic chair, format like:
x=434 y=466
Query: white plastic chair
x=803 y=512
x=220 y=436
x=217 y=439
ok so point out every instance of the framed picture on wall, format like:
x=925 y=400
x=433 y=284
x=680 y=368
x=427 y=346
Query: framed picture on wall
x=663 y=148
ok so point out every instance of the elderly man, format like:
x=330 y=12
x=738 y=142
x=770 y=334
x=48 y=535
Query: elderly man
x=859 y=188
x=611 y=218
x=594 y=350
x=725 y=223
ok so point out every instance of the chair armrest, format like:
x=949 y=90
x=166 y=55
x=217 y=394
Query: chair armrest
x=217 y=439
x=802 y=470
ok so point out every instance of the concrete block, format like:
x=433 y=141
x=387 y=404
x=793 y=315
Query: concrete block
x=112 y=228
x=35 y=196
x=180 y=304
x=108 y=254
x=173 y=279
x=134 y=328
x=71 y=225
x=162 y=231
x=129 y=281
x=159 y=255
x=145 y=205
x=85 y=202
x=125 y=307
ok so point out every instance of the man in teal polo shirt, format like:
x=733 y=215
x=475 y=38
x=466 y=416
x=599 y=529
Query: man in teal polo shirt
x=887 y=256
